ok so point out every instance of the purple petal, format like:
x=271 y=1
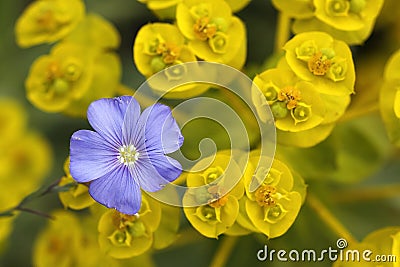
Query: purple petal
x=90 y=156
x=106 y=117
x=162 y=133
x=117 y=190
x=129 y=127
x=155 y=172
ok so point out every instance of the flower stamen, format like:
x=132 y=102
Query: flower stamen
x=290 y=95
x=265 y=196
x=128 y=155
x=203 y=29
x=319 y=64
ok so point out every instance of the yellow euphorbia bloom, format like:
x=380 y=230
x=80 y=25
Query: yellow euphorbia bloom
x=159 y=45
x=274 y=205
x=124 y=236
x=222 y=208
x=303 y=116
x=237 y=5
x=318 y=58
x=164 y=9
x=390 y=98
x=95 y=31
x=295 y=8
x=71 y=77
x=12 y=122
x=77 y=197
x=47 y=21
x=350 y=21
x=383 y=245
x=58 y=244
x=214 y=34
x=347 y=15
x=23 y=167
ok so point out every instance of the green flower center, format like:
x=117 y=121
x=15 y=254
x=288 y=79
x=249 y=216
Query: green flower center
x=212 y=174
x=128 y=155
x=206 y=213
x=218 y=43
x=301 y=113
x=337 y=7
x=120 y=238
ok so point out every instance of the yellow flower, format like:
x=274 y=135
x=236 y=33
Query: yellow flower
x=274 y=205
x=347 y=15
x=295 y=104
x=58 y=243
x=12 y=122
x=383 y=243
x=124 y=236
x=23 y=166
x=322 y=60
x=389 y=99
x=164 y=9
x=56 y=79
x=77 y=197
x=47 y=21
x=95 y=31
x=222 y=208
x=71 y=77
x=295 y=8
x=159 y=46
x=214 y=34
x=237 y=5
x=6 y=226
x=350 y=21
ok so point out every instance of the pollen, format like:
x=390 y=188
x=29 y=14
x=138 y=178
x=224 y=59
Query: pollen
x=319 y=64
x=290 y=95
x=265 y=196
x=203 y=30
x=128 y=155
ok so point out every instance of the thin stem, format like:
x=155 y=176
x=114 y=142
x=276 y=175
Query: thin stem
x=323 y=212
x=282 y=32
x=369 y=193
x=224 y=251
x=35 y=212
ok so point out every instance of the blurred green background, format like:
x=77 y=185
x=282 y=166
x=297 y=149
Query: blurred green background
x=128 y=16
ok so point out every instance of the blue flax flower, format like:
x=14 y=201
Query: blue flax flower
x=126 y=152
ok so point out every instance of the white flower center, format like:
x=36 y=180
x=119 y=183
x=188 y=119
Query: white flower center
x=128 y=155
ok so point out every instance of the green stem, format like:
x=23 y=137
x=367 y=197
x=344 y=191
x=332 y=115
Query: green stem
x=367 y=194
x=224 y=251
x=282 y=32
x=52 y=188
x=326 y=216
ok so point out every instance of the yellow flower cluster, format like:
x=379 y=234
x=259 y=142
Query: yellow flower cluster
x=271 y=209
x=390 y=98
x=120 y=236
x=349 y=20
x=309 y=89
x=204 y=30
x=384 y=245
x=80 y=68
x=25 y=159
x=166 y=9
